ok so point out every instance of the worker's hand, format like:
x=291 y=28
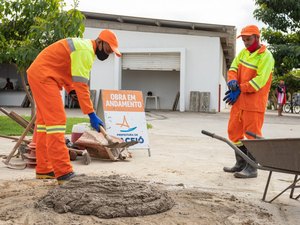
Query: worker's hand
x=232 y=85
x=232 y=96
x=95 y=121
x=73 y=95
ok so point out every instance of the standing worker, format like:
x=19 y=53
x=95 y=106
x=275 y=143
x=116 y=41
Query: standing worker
x=249 y=80
x=66 y=63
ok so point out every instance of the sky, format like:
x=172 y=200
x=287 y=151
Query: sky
x=238 y=13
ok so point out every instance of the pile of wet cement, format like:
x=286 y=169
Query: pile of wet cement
x=107 y=197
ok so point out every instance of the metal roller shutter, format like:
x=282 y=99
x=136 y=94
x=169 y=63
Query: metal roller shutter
x=151 y=61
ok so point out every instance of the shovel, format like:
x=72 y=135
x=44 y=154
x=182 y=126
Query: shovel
x=113 y=144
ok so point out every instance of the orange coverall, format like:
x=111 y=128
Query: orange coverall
x=254 y=75
x=49 y=72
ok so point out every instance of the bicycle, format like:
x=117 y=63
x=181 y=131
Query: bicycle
x=288 y=108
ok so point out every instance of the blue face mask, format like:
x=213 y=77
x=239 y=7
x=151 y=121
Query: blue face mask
x=101 y=55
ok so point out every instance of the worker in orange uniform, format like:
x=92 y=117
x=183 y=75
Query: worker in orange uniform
x=249 y=80
x=66 y=63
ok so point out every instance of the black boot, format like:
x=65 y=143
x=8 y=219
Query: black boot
x=249 y=171
x=240 y=162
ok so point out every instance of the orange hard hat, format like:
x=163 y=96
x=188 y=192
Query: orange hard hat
x=110 y=37
x=249 y=30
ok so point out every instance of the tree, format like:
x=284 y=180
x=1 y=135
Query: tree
x=283 y=32
x=28 y=26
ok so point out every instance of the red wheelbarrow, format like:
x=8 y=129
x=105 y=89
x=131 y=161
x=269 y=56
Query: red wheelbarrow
x=280 y=155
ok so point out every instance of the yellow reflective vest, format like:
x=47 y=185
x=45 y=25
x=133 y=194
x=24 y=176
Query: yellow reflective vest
x=253 y=71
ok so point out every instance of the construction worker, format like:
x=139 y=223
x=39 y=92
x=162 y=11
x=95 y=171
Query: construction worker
x=249 y=80
x=66 y=63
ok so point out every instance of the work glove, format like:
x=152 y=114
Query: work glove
x=95 y=121
x=232 y=96
x=73 y=95
x=232 y=85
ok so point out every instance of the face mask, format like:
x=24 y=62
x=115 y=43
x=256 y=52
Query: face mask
x=253 y=47
x=101 y=55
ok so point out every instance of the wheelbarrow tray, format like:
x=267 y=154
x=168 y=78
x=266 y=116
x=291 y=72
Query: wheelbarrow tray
x=274 y=155
x=281 y=153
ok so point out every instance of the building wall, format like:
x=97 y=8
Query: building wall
x=202 y=60
x=222 y=80
x=11 y=97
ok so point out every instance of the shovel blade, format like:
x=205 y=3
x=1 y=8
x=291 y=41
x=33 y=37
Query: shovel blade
x=122 y=144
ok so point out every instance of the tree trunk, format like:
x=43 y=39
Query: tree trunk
x=22 y=73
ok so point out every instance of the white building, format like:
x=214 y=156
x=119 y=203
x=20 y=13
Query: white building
x=164 y=57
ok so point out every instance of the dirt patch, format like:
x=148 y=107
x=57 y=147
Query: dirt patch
x=107 y=197
x=192 y=206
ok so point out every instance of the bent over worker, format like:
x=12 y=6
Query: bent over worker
x=66 y=63
x=249 y=80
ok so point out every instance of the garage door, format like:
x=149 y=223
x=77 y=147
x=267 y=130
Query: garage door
x=151 y=61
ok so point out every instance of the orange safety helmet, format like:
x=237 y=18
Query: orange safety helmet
x=110 y=37
x=249 y=30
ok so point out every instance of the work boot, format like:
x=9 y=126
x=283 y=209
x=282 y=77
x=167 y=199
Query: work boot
x=65 y=178
x=240 y=162
x=50 y=175
x=249 y=171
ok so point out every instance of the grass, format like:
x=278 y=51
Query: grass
x=10 y=128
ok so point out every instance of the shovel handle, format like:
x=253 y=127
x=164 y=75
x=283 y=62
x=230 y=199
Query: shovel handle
x=103 y=131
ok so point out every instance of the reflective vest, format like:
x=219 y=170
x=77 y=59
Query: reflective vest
x=82 y=56
x=253 y=71
x=67 y=63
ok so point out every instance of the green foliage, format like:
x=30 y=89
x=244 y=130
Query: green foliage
x=283 y=32
x=27 y=27
x=283 y=15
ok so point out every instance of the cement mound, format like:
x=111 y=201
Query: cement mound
x=106 y=197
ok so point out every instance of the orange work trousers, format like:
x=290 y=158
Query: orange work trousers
x=51 y=151
x=241 y=121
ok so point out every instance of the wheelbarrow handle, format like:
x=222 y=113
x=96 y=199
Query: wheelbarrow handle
x=207 y=133
x=213 y=135
x=235 y=148
x=254 y=135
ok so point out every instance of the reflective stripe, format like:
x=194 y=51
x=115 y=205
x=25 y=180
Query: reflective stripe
x=79 y=79
x=71 y=44
x=56 y=129
x=40 y=128
x=238 y=143
x=248 y=64
x=254 y=85
x=233 y=68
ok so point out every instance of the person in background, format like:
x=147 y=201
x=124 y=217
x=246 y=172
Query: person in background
x=9 y=85
x=66 y=63
x=249 y=81
x=281 y=96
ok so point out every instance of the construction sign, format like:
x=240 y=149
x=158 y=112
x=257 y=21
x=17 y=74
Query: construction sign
x=124 y=115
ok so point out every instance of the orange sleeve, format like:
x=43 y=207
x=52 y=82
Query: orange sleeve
x=83 y=94
x=69 y=88
x=231 y=75
x=247 y=87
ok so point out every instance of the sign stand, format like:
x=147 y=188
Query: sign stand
x=124 y=116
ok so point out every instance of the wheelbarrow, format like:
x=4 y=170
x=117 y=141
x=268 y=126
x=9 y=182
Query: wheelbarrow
x=280 y=155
